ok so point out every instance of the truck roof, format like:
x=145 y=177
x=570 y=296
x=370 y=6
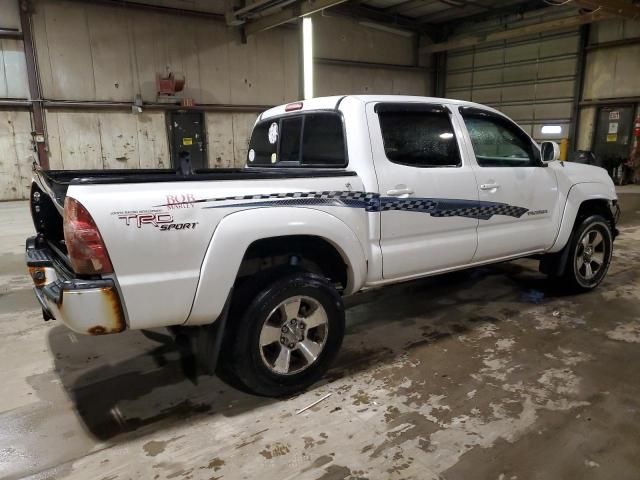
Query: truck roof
x=331 y=103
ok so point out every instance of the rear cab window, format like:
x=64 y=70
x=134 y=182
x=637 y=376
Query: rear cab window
x=309 y=139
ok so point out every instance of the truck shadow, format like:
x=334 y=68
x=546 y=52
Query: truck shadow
x=130 y=384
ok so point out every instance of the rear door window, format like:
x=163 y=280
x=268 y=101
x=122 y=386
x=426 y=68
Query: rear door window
x=418 y=135
x=313 y=139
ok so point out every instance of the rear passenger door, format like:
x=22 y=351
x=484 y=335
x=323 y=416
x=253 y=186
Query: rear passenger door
x=426 y=187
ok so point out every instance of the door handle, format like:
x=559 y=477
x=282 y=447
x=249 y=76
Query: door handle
x=489 y=186
x=398 y=192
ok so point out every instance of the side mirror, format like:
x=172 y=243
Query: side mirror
x=549 y=151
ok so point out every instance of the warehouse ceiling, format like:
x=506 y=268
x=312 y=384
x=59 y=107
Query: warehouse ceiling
x=443 y=11
x=434 y=17
x=410 y=12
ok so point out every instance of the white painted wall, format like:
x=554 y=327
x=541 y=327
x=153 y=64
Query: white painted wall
x=341 y=38
x=10 y=17
x=95 y=52
x=102 y=53
x=17 y=156
x=13 y=70
x=80 y=140
x=228 y=138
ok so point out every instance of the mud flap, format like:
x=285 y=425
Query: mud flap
x=207 y=340
x=554 y=264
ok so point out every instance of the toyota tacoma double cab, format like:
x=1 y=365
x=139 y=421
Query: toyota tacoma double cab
x=339 y=194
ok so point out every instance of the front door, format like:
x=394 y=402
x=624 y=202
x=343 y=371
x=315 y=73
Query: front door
x=509 y=172
x=426 y=186
x=186 y=131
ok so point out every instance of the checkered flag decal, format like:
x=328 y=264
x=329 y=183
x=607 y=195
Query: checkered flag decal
x=371 y=202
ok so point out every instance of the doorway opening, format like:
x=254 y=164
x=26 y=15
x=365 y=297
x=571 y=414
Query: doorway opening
x=613 y=138
x=187 y=140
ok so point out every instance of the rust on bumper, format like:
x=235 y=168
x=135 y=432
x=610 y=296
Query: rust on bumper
x=113 y=314
x=90 y=307
x=38 y=275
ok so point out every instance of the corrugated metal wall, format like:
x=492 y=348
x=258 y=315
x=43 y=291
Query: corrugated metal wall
x=531 y=80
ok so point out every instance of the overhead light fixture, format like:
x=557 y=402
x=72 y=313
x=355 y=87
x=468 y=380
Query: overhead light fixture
x=551 y=129
x=446 y=135
x=307 y=57
x=385 y=28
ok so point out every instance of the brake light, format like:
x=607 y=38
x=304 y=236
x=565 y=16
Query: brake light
x=293 y=107
x=85 y=247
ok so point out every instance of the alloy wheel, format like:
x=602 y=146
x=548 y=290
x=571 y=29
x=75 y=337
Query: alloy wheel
x=293 y=335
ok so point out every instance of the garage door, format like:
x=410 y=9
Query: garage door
x=532 y=80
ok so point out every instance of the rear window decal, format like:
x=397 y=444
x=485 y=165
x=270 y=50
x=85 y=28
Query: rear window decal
x=273 y=133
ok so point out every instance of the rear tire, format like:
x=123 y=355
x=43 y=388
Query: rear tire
x=589 y=256
x=283 y=334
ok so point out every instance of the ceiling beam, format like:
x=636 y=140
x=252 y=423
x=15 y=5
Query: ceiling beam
x=133 y=5
x=615 y=7
x=10 y=33
x=409 y=5
x=287 y=14
x=501 y=12
x=466 y=41
x=361 y=12
x=452 y=14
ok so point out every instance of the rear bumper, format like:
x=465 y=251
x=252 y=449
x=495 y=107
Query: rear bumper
x=89 y=307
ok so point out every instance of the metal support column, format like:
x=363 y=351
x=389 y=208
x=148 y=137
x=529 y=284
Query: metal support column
x=440 y=74
x=35 y=91
x=578 y=88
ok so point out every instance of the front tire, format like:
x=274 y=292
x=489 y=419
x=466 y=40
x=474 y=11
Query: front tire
x=285 y=335
x=590 y=254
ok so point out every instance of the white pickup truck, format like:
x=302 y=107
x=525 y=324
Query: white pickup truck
x=339 y=194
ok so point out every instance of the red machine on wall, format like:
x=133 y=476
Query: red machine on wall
x=168 y=85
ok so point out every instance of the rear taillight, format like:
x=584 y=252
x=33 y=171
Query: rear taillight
x=85 y=247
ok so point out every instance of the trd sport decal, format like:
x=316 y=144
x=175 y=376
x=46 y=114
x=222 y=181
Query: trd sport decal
x=372 y=202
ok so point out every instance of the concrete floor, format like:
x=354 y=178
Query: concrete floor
x=484 y=374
